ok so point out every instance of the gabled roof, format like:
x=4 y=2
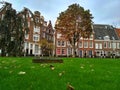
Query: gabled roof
x=6 y=5
x=104 y=32
x=50 y=27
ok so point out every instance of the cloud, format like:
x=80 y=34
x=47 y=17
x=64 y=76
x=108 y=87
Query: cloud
x=103 y=11
x=106 y=11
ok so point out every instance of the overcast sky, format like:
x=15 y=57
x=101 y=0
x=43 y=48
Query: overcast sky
x=103 y=11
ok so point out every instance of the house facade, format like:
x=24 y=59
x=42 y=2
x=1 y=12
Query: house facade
x=103 y=42
x=84 y=47
x=106 y=41
x=38 y=29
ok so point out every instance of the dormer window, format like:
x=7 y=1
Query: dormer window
x=113 y=38
x=105 y=27
x=100 y=37
x=106 y=38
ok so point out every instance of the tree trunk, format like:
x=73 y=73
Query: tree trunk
x=74 y=52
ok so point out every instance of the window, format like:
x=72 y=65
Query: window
x=106 y=38
x=27 y=45
x=91 y=37
x=113 y=45
x=31 y=46
x=2 y=16
x=26 y=36
x=109 y=45
x=37 y=19
x=105 y=44
x=80 y=44
x=85 y=44
x=0 y=51
x=81 y=38
x=36 y=48
x=43 y=35
x=69 y=51
x=63 y=51
x=59 y=35
x=63 y=43
x=90 y=52
x=91 y=44
x=68 y=43
x=37 y=29
x=96 y=45
x=118 y=45
x=36 y=37
x=58 y=43
x=100 y=45
x=58 y=51
x=49 y=37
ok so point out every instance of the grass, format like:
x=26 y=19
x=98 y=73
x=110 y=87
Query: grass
x=81 y=73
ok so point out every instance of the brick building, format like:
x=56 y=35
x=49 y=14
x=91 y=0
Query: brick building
x=106 y=40
x=103 y=42
x=84 y=47
x=38 y=29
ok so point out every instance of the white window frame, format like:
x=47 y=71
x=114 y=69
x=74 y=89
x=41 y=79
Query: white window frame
x=63 y=43
x=36 y=49
x=105 y=44
x=100 y=45
x=90 y=44
x=96 y=46
x=85 y=44
x=58 y=43
x=80 y=44
x=37 y=29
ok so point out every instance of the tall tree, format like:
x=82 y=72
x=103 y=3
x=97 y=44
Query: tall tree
x=73 y=23
x=13 y=27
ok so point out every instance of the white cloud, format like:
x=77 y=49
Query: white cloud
x=106 y=11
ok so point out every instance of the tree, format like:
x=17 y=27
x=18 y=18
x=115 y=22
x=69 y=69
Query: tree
x=73 y=23
x=46 y=47
x=13 y=27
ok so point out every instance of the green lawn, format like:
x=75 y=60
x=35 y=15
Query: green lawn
x=82 y=73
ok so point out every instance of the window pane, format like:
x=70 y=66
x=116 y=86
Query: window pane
x=80 y=44
x=58 y=51
x=63 y=43
x=85 y=44
x=90 y=44
x=58 y=43
x=63 y=51
x=36 y=48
